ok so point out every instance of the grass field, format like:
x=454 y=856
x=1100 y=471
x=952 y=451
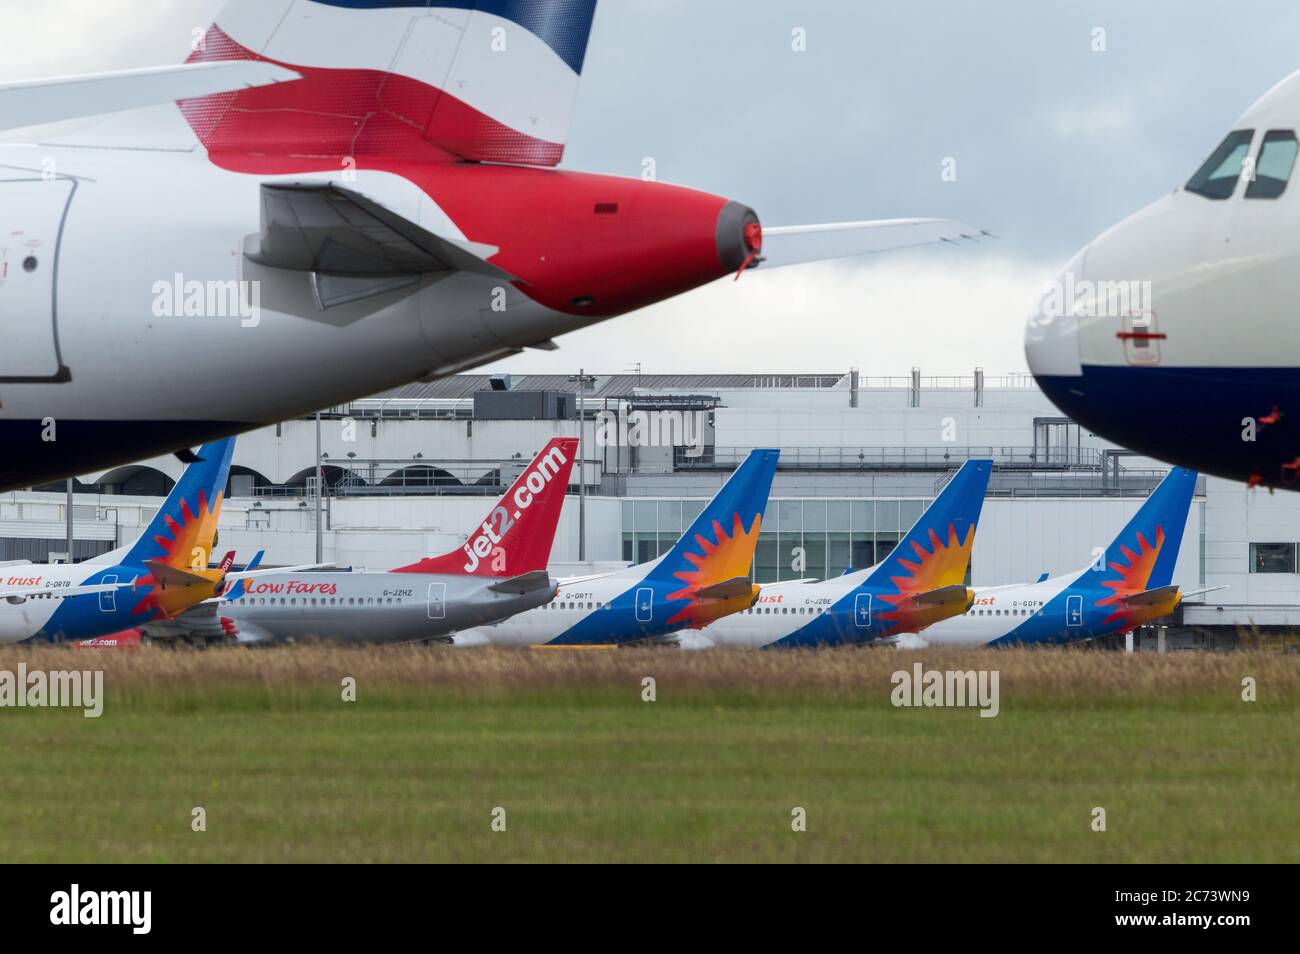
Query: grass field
x=710 y=771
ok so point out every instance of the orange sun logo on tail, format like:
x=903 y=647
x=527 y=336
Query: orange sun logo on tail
x=1133 y=579
x=188 y=548
x=944 y=564
x=727 y=559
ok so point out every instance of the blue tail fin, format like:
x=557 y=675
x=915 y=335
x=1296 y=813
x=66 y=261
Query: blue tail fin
x=1146 y=550
x=936 y=551
x=236 y=591
x=720 y=543
x=182 y=533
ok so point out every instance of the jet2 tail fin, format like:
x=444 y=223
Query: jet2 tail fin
x=516 y=537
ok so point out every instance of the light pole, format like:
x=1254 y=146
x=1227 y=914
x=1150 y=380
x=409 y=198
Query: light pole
x=583 y=379
x=320 y=539
x=71 y=533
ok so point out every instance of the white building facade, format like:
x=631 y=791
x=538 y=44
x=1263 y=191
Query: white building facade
x=410 y=473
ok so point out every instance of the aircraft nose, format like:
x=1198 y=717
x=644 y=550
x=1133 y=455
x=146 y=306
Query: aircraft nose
x=1052 y=332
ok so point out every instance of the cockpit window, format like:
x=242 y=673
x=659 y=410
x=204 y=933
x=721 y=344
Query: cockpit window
x=1218 y=177
x=1274 y=165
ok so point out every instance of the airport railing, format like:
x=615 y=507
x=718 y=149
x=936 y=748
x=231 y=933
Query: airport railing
x=940 y=458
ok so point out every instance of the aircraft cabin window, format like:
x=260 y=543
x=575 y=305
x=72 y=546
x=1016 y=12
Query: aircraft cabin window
x=1274 y=165
x=1217 y=178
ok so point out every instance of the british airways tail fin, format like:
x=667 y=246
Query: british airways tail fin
x=719 y=545
x=486 y=80
x=182 y=533
x=1144 y=554
x=517 y=535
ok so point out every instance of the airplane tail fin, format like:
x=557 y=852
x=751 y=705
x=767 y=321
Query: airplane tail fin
x=484 y=80
x=719 y=545
x=918 y=577
x=237 y=589
x=517 y=535
x=1144 y=554
x=182 y=533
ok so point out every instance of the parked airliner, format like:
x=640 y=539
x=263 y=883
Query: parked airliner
x=499 y=571
x=1128 y=586
x=332 y=198
x=921 y=582
x=159 y=576
x=705 y=576
x=1186 y=309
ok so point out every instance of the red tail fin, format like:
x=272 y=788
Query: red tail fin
x=228 y=560
x=516 y=537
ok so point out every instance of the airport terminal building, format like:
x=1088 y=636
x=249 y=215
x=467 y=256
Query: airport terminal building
x=409 y=473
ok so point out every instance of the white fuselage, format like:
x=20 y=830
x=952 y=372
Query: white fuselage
x=371 y=607
x=99 y=246
x=781 y=611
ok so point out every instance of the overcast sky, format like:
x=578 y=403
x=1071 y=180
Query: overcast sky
x=1053 y=142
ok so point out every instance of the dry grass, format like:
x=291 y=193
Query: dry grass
x=1058 y=675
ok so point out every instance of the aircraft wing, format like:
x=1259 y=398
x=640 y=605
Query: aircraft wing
x=36 y=102
x=795 y=244
x=252 y=574
x=28 y=592
x=205 y=620
x=577 y=580
x=727 y=589
x=201 y=620
x=1203 y=590
x=523 y=583
x=277 y=570
x=353 y=246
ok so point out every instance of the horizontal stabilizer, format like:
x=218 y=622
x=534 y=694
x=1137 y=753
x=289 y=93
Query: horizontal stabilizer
x=943 y=596
x=727 y=589
x=523 y=583
x=175 y=576
x=795 y=244
x=54 y=100
x=339 y=233
x=1153 y=597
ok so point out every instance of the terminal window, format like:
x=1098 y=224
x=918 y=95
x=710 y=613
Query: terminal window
x=1272 y=558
